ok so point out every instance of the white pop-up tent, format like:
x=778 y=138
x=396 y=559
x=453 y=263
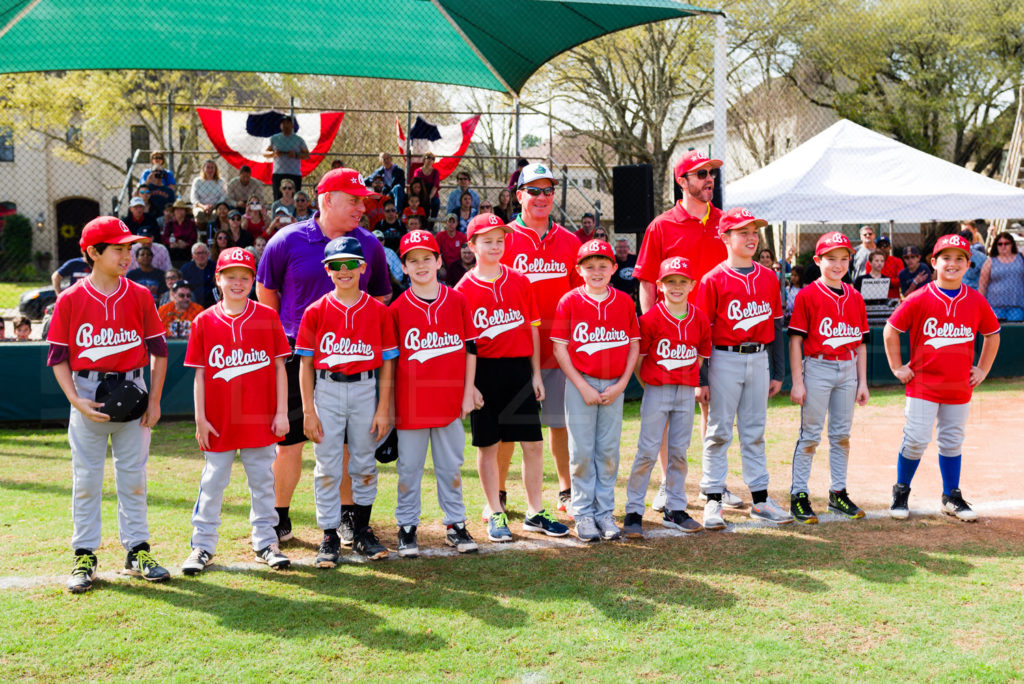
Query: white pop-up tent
x=848 y=173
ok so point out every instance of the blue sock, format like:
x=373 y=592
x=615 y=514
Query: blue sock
x=905 y=469
x=949 y=466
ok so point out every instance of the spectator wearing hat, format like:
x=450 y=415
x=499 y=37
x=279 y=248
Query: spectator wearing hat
x=450 y=240
x=242 y=188
x=207 y=192
x=393 y=176
x=916 y=273
x=178 y=313
x=287 y=150
x=146 y=275
x=180 y=234
x=892 y=267
x=290 y=277
x=156 y=163
x=139 y=222
x=454 y=202
x=281 y=217
x=1002 y=279
x=238 y=236
x=160 y=195
x=200 y=274
x=978 y=258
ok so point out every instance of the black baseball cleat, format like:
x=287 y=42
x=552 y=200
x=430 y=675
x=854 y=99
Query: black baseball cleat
x=83 y=573
x=329 y=553
x=408 y=546
x=272 y=556
x=283 y=528
x=458 y=536
x=839 y=502
x=347 y=530
x=367 y=545
x=953 y=504
x=800 y=508
x=140 y=563
x=900 y=508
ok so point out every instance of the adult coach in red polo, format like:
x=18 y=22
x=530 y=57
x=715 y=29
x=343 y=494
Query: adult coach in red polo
x=290 y=278
x=545 y=253
x=690 y=230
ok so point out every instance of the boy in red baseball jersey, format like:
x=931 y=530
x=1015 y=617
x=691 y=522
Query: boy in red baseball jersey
x=434 y=391
x=942 y=319
x=596 y=342
x=103 y=332
x=346 y=340
x=238 y=348
x=674 y=339
x=829 y=366
x=505 y=324
x=743 y=303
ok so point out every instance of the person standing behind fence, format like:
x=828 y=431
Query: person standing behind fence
x=1002 y=279
x=287 y=150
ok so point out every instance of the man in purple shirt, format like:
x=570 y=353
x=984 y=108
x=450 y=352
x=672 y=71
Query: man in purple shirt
x=291 y=277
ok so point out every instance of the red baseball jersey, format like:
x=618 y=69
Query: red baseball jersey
x=431 y=372
x=502 y=313
x=677 y=233
x=346 y=339
x=671 y=347
x=741 y=308
x=236 y=355
x=832 y=324
x=550 y=265
x=597 y=333
x=105 y=332
x=450 y=246
x=942 y=331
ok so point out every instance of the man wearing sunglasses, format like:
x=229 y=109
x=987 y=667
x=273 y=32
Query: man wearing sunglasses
x=290 y=278
x=545 y=253
x=689 y=230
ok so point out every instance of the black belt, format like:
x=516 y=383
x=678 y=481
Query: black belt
x=104 y=375
x=745 y=348
x=341 y=377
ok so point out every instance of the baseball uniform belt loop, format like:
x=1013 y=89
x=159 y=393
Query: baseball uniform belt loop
x=110 y=376
x=341 y=377
x=846 y=356
x=745 y=348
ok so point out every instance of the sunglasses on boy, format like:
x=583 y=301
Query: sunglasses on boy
x=536 y=192
x=347 y=264
x=700 y=173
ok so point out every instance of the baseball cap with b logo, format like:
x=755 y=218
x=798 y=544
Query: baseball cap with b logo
x=953 y=241
x=235 y=256
x=675 y=266
x=417 y=239
x=108 y=230
x=737 y=217
x=695 y=159
x=346 y=180
x=595 y=248
x=484 y=223
x=833 y=240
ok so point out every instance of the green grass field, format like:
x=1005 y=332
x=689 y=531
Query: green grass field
x=10 y=293
x=874 y=600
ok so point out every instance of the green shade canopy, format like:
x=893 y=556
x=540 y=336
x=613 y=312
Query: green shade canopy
x=493 y=44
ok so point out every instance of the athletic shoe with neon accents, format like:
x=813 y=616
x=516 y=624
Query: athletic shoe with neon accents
x=83 y=573
x=900 y=508
x=140 y=563
x=458 y=536
x=839 y=502
x=196 y=562
x=544 y=522
x=800 y=509
x=954 y=505
x=497 y=528
x=770 y=511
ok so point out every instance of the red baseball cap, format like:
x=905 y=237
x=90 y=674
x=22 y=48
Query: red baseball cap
x=676 y=266
x=598 y=248
x=107 y=230
x=417 y=239
x=484 y=223
x=235 y=256
x=345 y=180
x=737 y=217
x=833 y=240
x=695 y=159
x=952 y=241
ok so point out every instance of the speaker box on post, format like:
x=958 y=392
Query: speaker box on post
x=634 y=197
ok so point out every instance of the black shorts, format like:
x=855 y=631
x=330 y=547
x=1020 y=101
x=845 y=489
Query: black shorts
x=291 y=370
x=510 y=412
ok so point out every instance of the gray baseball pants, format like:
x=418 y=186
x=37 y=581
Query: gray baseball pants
x=342 y=405
x=129 y=446
x=446 y=447
x=832 y=391
x=258 y=463
x=594 y=435
x=552 y=409
x=950 y=421
x=671 y=405
x=739 y=392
